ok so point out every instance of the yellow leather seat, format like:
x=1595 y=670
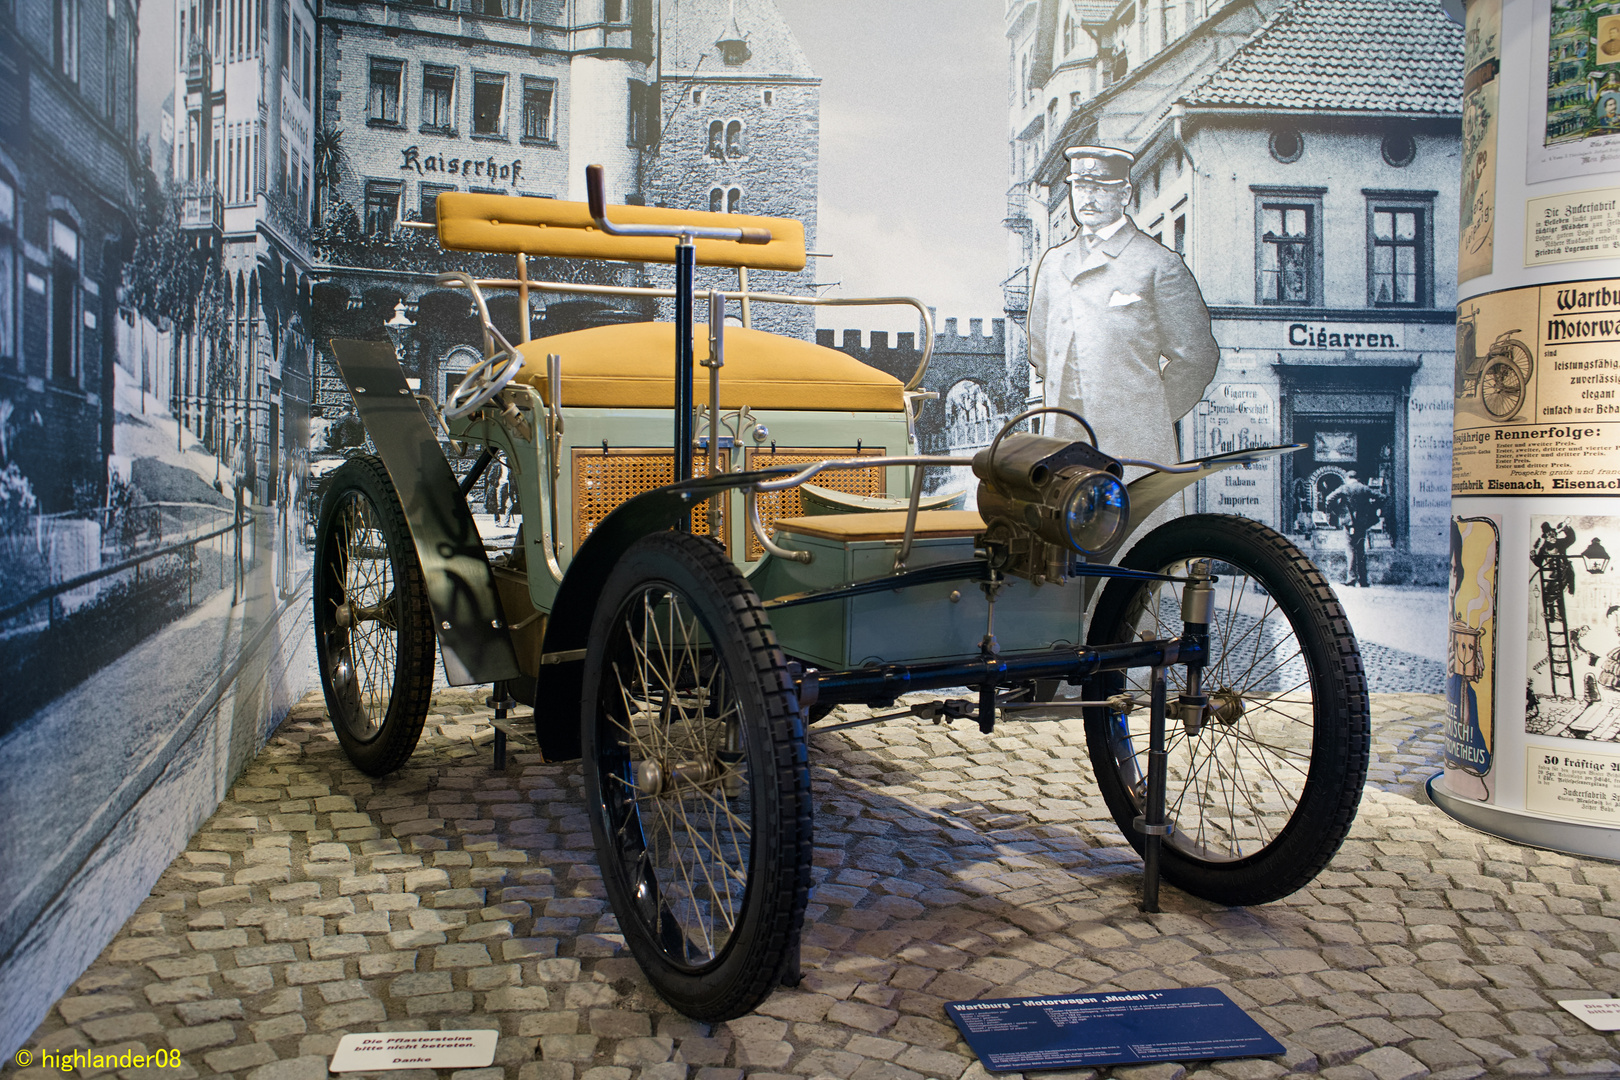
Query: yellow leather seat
x=632 y=366
x=884 y=525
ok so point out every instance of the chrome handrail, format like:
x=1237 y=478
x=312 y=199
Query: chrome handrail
x=769 y=298
x=857 y=463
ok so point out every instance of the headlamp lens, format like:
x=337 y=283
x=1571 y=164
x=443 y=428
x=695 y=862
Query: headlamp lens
x=1095 y=512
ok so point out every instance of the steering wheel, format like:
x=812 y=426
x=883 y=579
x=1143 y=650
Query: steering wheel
x=482 y=382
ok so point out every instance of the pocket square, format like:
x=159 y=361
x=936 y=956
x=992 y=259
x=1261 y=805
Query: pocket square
x=1121 y=299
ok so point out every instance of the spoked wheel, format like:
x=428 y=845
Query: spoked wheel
x=1263 y=792
x=696 y=776
x=1501 y=389
x=373 y=628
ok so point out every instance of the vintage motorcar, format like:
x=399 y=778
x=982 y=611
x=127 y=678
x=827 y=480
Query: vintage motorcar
x=722 y=541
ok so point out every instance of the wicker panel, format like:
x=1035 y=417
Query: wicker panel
x=604 y=480
x=784 y=504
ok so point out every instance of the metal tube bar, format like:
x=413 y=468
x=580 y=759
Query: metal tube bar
x=1153 y=811
x=743 y=296
x=904 y=553
x=523 y=297
x=468 y=482
x=765 y=540
x=554 y=430
x=858 y=463
x=716 y=360
x=987 y=706
x=1073 y=662
x=685 y=269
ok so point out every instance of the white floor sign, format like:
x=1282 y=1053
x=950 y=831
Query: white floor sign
x=415 y=1050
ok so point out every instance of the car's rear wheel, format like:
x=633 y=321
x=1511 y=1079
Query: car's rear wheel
x=373 y=627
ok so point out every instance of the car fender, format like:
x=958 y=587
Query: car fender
x=559 y=688
x=473 y=639
x=1152 y=490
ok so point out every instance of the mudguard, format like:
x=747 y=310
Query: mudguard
x=560 y=686
x=1151 y=491
x=473 y=638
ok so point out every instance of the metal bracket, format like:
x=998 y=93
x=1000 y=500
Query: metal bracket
x=1140 y=825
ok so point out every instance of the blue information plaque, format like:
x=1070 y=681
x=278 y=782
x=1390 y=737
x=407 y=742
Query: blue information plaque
x=1192 y=1024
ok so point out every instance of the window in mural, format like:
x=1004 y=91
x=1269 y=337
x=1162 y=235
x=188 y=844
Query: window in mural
x=1290 y=250
x=430 y=200
x=64 y=302
x=382 y=208
x=537 y=97
x=382 y=107
x=1399 y=263
x=489 y=102
x=438 y=99
x=67 y=38
x=8 y=269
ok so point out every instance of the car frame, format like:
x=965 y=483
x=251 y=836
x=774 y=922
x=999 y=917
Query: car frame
x=679 y=609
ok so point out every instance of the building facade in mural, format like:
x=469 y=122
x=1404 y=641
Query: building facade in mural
x=244 y=162
x=152 y=367
x=977 y=391
x=701 y=105
x=1301 y=157
x=67 y=220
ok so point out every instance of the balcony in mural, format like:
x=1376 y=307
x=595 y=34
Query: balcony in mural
x=199 y=65
x=202 y=209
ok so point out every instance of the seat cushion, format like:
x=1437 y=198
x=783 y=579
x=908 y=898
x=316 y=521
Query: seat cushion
x=884 y=525
x=632 y=366
x=473 y=221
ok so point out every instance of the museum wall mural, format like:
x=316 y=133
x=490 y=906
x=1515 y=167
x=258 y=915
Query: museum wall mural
x=154 y=388
x=196 y=196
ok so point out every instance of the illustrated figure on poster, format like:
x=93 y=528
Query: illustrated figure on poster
x=1609 y=674
x=1358 y=506
x=1118 y=329
x=1609 y=107
x=1470 y=657
x=1550 y=555
x=1574 y=630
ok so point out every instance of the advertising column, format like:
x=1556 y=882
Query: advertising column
x=1532 y=741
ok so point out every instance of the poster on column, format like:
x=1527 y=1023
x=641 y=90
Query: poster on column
x=1471 y=657
x=1573 y=665
x=1574 y=128
x=1533 y=674
x=1537 y=408
x=1482 y=64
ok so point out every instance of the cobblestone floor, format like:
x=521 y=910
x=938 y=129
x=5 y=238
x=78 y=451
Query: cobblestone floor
x=317 y=902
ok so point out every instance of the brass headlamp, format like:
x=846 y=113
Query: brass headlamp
x=1061 y=495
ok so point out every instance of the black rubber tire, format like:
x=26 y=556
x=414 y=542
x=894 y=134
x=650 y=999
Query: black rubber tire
x=711 y=953
x=1299 y=802
x=377 y=673
x=1502 y=389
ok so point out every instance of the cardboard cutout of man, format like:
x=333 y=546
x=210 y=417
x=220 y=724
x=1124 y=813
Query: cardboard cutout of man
x=1118 y=329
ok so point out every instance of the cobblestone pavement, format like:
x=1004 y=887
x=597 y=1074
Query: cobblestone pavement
x=949 y=865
